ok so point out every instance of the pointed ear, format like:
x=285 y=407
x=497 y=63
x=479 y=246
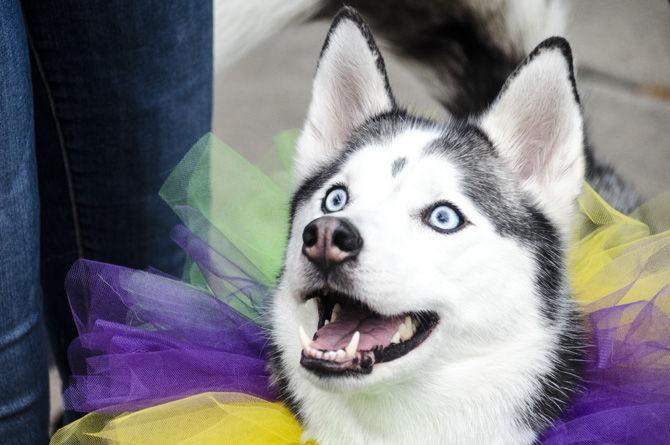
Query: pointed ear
x=349 y=87
x=536 y=126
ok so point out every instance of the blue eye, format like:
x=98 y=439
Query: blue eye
x=335 y=199
x=444 y=218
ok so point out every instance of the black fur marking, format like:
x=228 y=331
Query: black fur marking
x=397 y=166
x=347 y=13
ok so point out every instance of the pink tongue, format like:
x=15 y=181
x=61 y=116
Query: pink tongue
x=374 y=331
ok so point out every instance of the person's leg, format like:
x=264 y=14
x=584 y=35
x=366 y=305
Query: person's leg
x=122 y=90
x=24 y=403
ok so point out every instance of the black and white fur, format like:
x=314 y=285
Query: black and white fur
x=506 y=356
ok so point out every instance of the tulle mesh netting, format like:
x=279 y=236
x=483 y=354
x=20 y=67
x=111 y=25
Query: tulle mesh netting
x=162 y=361
x=205 y=419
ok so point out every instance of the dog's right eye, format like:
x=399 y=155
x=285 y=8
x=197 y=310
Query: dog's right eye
x=335 y=200
x=444 y=217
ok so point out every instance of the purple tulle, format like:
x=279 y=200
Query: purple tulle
x=626 y=397
x=145 y=338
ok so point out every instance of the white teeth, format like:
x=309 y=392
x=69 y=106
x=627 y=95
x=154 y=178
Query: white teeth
x=340 y=355
x=326 y=322
x=352 y=347
x=407 y=329
x=336 y=312
x=396 y=338
x=403 y=332
x=304 y=339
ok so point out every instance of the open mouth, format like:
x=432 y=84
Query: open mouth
x=351 y=338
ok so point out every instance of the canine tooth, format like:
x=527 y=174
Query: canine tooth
x=352 y=347
x=396 y=338
x=405 y=331
x=340 y=355
x=336 y=312
x=304 y=339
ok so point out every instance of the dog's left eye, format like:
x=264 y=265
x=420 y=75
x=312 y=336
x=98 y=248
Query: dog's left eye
x=335 y=199
x=444 y=218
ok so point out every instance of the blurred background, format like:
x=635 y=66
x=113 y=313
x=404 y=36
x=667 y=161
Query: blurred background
x=622 y=50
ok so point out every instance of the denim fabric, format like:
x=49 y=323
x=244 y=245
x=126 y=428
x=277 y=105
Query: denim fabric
x=24 y=403
x=120 y=90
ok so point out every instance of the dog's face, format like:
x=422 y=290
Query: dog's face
x=415 y=246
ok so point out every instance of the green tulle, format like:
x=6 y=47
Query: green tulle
x=211 y=177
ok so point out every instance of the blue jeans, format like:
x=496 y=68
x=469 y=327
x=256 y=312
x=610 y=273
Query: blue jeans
x=99 y=99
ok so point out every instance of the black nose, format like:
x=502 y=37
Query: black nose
x=329 y=241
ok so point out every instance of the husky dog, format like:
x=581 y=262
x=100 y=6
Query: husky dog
x=424 y=296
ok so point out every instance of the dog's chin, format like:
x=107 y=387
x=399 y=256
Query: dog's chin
x=355 y=346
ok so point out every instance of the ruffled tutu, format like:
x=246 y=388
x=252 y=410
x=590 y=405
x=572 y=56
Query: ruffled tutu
x=161 y=360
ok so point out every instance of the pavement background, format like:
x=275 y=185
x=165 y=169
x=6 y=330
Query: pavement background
x=622 y=49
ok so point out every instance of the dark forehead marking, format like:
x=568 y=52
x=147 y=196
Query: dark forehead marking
x=377 y=129
x=397 y=166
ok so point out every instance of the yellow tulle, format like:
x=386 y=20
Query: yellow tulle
x=617 y=258
x=203 y=419
x=614 y=259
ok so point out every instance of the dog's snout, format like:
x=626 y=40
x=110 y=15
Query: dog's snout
x=329 y=241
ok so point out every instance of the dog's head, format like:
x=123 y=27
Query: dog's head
x=415 y=244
